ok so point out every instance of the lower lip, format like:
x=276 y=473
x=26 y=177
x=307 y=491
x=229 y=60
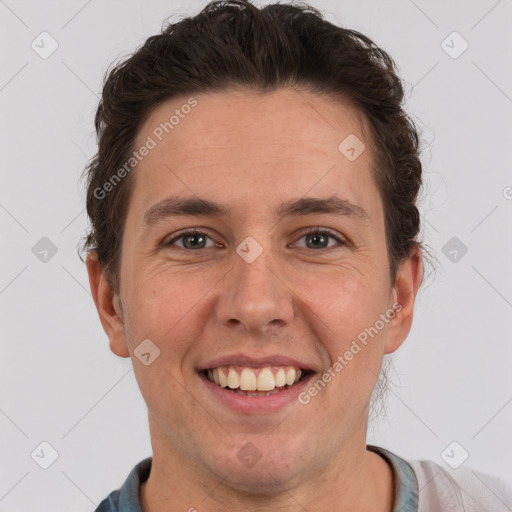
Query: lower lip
x=257 y=404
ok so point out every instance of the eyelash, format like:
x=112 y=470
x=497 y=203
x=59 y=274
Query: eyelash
x=315 y=231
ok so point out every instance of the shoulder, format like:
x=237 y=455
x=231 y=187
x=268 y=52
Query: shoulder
x=126 y=498
x=110 y=503
x=462 y=489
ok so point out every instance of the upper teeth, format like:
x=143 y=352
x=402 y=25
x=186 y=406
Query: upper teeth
x=252 y=379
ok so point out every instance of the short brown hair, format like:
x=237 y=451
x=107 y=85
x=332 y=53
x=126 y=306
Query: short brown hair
x=234 y=43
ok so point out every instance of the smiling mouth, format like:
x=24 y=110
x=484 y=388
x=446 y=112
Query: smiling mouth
x=248 y=381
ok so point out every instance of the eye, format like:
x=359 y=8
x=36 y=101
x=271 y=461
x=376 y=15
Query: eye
x=191 y=240
x=317 y=238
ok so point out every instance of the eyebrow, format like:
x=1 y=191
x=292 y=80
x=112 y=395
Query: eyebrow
x=175 y=206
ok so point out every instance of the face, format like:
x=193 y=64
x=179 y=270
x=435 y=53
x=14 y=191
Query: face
x=285 y=268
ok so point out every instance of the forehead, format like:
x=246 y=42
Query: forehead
x=246 y=114
x=242 y=146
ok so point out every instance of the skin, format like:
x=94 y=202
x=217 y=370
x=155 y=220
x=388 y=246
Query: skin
x=300 y=298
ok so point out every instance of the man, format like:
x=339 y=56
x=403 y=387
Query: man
x=254 y=251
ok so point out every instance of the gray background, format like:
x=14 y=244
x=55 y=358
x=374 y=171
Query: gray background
x=60 y=383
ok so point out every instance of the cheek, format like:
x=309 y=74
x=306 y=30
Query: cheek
x=347 y=313
x=345 y=302
x=164 y=310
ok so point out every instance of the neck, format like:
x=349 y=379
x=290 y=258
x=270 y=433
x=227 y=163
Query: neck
x=357 y=479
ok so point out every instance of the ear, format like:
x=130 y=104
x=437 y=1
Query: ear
x=408 y=281
x=107 y=304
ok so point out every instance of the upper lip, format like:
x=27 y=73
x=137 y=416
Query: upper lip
x=256 y=362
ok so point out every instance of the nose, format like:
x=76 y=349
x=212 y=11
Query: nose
x=255 y=297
